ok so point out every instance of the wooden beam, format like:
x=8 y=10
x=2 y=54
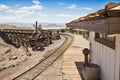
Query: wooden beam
x=109 y=25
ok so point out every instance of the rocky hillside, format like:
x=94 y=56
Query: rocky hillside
x=9 y=55
x=5 y=26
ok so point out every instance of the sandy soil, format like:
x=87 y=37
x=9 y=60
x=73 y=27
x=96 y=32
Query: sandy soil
x=12 y=67
x=10 y=56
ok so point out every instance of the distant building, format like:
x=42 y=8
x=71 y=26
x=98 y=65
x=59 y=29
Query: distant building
x=104 y=36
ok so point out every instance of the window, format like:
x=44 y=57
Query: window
x=107 y=40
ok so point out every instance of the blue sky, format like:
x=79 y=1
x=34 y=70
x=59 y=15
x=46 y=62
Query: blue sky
x=51 y=11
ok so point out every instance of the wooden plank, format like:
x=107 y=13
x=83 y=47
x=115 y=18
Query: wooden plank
x=112 y=64
x=107 y=25
x=101 y=51
x=107 y=59
x=108 y=62
x=97 y=54
x=101 y=59
x=93 y=47
x=96 y=49
x=117 y=58
x=103 y=62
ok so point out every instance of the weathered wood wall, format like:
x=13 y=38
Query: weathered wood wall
x=108 y=59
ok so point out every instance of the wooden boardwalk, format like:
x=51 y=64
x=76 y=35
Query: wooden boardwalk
x=72 y=57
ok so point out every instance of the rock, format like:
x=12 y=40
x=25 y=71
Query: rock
x=4 y=68
x=28 y=54
x=58 y=75
x=13 y=58
x=91 y=72
x=7 y=51
x=0 y=69
x=2 y=59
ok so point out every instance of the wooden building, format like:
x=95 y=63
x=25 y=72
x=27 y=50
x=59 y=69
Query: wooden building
x=104 y=36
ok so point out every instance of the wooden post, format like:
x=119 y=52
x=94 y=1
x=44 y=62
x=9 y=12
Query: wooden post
x=36 y=27
x=86 y=52
x=50 y=37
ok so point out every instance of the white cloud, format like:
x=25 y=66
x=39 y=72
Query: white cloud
x=10 y=11
x=63 y=15
x=14 y=18
x=10 y=17
x=72 y=6
x=20 y=12
x=26 y=10
x=39 y=14
x=3 y=7
x=85 y=8
x=61 y=3
x=36 y=2
x=35 y=7
x=66 y=15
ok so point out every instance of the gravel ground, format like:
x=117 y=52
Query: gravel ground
x=53 y=72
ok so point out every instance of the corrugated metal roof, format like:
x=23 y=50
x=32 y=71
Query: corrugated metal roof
x=116 y=8
x=111 y=10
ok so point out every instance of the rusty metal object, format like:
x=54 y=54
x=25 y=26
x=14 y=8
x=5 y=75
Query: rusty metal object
x=86 y=52
x=36 y=39
x=90 y=71
x=39 y=38
x=56 y=35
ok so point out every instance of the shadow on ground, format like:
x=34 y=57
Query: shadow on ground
x=79 y=68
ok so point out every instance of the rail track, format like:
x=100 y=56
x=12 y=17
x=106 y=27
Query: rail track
x=35 y=71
